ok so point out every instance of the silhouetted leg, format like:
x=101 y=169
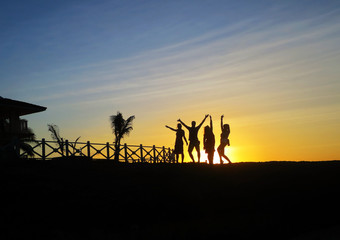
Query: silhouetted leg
x=197 y=147
x=191 y=156
x=220 y=153
x=182 y=157
x=177 y=157
x=221 y=161
x=191 y=147
x=210 y=158
x=226 y=158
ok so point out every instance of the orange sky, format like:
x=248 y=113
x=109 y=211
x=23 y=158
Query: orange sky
x=271 y=68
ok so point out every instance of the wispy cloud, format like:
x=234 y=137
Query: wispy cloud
x=263 y=72
x=262 y=67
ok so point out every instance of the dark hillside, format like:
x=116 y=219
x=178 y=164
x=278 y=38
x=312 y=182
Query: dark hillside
x=100 y=200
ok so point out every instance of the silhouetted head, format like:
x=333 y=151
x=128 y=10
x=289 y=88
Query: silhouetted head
x=206 y=129
x=226 y=127
x=193 y=123
x=179 y=126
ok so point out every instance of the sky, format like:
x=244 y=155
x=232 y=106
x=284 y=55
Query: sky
x=270 y=67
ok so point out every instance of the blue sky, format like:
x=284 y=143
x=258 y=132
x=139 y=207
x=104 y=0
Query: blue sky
x=44 y=36
x=264 y=64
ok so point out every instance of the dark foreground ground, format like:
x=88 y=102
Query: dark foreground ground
x=100 y=200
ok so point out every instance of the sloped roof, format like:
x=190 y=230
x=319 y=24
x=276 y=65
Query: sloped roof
x=21 y=108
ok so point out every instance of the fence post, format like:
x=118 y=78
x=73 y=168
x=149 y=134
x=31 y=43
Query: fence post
x=88 y=149
x=66 y=143
x=141 y=153
x=169 y=155
x=125 y=153
x=43 y=149
x=164 y=154
x=154 y=153
x=108 y=150
x=62 y=147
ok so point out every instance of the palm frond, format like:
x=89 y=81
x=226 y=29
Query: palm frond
x=27 y=135
x=128 y=126
x=117 y=122
x=54 y=129
x=27 y=148
x=75 y=142
x=130 y=119
x=120 y=126
x=74 y=146
x=54 y=132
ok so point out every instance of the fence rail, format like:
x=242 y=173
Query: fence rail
x=46 y=150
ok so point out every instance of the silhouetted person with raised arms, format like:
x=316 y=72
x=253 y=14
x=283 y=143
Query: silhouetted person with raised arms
x=180 y=134
x=224 y=140
x=193 y=139
x=209 y=142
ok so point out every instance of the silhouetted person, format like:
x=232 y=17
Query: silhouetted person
x=209 y=142
x=180 y=134
x=193 y=139
x=224 y=141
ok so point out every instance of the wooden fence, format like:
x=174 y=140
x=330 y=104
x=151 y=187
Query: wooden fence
x=46 y=150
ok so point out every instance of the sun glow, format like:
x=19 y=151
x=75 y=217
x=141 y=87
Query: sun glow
x=228 y=152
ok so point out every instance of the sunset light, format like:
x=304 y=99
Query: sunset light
x=229 y=152
x=271 y=69
x=100 y=101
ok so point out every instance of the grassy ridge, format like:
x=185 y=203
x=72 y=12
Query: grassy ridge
x=100 y=200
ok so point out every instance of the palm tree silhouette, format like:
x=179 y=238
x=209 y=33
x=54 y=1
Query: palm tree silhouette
x=12 y=142
x=26 y=137
x=54 y=129
x=120 y=128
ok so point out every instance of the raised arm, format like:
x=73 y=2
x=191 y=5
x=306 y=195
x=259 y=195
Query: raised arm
x=199 y=126
x=179 y=120
x=211 y=124
x=171 y=128
x=185 y=138
x=222 y=122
